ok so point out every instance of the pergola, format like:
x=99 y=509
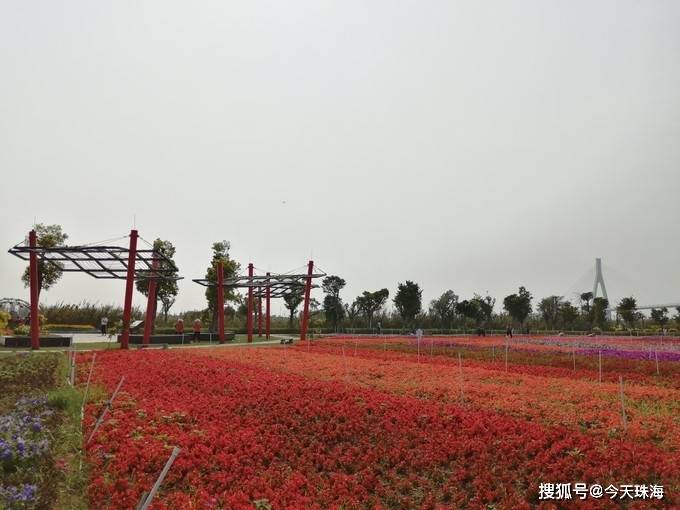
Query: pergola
x=102 y=262
x=265 y=286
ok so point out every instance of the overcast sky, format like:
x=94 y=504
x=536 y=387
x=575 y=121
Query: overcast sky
x=473 y=146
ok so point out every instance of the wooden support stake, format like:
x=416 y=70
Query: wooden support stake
x=573 y=356
x=87 y=386
x=159 y=481
x=599 y=362
x=623 y=406
x=344 y=362
x=656 y=356
x=506 y=357
x=460 y=372
x=106 y=410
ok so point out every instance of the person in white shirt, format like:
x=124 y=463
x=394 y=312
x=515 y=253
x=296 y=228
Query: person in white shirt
x=103 y=324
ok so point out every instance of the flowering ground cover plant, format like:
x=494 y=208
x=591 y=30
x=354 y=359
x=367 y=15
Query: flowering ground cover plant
x=309 y=427
x=32 y=427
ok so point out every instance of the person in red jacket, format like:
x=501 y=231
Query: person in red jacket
x=197 y=330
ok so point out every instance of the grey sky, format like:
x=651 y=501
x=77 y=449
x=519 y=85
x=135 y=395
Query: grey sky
x=466 y=145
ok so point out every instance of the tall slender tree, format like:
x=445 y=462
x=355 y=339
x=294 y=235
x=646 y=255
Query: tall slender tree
x=166 y=289
x=408 y=301
x=599 y=312
x=626 y=310
x=332 y=304
x=292 y=300
x=231 y=268
x=49 y=273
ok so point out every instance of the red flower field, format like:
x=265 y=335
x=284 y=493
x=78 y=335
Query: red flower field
x=338 y=424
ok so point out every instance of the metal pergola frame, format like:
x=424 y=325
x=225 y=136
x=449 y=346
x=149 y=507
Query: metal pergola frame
x=101 y=262
x=266 y=286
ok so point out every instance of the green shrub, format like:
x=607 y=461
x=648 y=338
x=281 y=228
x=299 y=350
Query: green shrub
x=23 y=330
x=69 y=327
x=4 y=319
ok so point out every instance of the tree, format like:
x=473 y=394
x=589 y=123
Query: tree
x=484 y=307
x=332 y=304
x=352 y=311
x=48 y=236
x=444 y=308
x=550 y=308
x=586 y=298
x=370 y=302
x=292 y=300
x=469 y=309
x=408 y=301
x=166 y=289
x=518 y=305
x=660 y=316
x=568 y=314
x=626 y=309
x=599 y=311
x=231 y=267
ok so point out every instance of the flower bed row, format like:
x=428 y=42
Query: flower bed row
x=255 y=437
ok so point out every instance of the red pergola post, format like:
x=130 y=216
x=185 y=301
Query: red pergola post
x=259 y=311
x=305 y=309
x=268 y=320
x=151 y=303
x=35 y=290
x=129 y=289
x=250 y=303
x=220 y=301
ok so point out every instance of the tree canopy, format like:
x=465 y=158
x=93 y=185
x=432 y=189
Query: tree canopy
x=292 y=300
x=469 y=309
x=408 y=301
x=626 y=310
x=332 y=304
x=166 y=290
x=599 y=311
x=550 y=308
x=370 y=302
x=484 y=307
x=660 y=316
x=231 y=267
x=444 y=308
x=48 y=236
x=518 y=305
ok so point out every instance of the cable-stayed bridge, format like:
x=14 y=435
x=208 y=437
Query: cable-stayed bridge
x=600 y=289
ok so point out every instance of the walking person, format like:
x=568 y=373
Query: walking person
x=103 y=325
x=508 y=332
x=197 y=330
x=179 y=327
